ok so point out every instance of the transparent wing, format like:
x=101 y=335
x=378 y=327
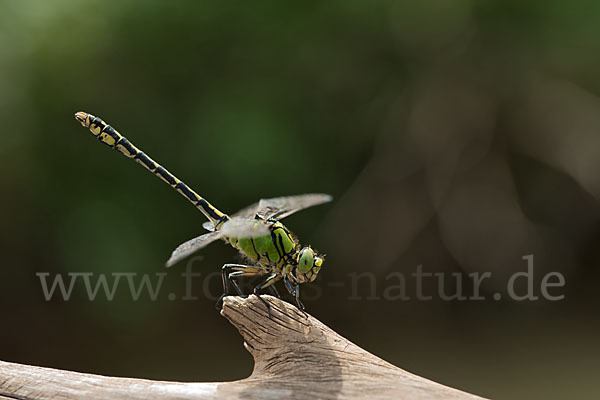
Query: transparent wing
x=247 y=212
x=244 y=228
x=281 y=207
x=191 y=246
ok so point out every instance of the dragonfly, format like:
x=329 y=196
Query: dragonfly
x=271 y=250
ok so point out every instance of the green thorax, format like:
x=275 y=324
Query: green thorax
x=276 y=249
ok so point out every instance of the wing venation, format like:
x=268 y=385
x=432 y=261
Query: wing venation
x=188 y=248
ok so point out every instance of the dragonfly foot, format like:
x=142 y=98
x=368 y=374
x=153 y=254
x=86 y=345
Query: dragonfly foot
x=219 y=304
x=266 y=304
x=300 y=306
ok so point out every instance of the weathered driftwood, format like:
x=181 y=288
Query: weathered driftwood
x=295 y=355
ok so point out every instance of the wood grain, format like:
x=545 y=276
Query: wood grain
x=295 y=355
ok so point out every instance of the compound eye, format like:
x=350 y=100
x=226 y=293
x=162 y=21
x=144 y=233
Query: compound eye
x=306 y=260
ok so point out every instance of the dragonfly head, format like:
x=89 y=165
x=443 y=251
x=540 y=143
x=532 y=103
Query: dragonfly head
x=309 y=265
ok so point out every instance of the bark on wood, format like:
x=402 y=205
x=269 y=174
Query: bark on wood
x=295 y=355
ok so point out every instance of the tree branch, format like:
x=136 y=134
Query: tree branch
x=295 y=356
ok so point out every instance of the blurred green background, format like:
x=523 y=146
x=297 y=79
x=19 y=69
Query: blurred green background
x=460 y=136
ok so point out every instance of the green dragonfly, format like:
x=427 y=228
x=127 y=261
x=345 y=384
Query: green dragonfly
x=254 y=231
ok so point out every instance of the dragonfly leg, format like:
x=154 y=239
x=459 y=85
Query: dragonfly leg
x=274 y=291
x=228 y=272
x=298 y=302
x=294 y=290
x=270 y=280
x=234 y=283
x=289 y=285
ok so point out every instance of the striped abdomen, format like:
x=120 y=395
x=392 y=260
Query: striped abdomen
x=109 y=136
